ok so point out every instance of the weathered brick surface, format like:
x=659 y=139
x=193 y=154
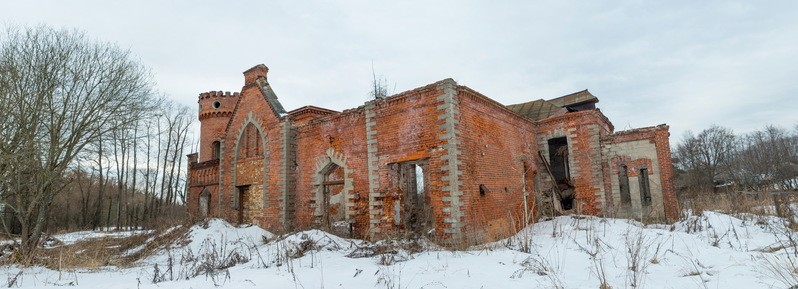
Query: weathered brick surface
x=642 y=148
x=406 y=129
x=214 y=119
x=495 y=146
x=583 y=131
x=461 y=139
x=339 y=139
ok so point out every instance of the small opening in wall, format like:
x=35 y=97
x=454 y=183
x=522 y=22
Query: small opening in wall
x=216 y=104
x=483 y=190
x=217 y=150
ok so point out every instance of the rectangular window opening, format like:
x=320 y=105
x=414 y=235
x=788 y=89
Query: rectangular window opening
x=623 y=185
x=645 y=189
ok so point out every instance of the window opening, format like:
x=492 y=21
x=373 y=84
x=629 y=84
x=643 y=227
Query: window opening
x=250 y=143
x=645 y=189
x=623 y=185
x=217 y=150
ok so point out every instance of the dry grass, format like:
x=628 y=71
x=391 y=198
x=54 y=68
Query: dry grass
x=107 y=251
x=731 y=203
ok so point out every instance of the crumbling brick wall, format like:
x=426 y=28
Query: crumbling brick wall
x=475 y=158
x=404 y=128
x=643 y=148
x=498 y=151
x=583 y=131
x=341 y=139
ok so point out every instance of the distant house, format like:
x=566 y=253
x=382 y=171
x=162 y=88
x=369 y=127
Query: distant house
x=441 y=159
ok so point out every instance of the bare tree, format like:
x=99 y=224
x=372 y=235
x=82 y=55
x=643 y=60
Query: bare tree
x=705 y=159
x=60 y=92
x=766 y=160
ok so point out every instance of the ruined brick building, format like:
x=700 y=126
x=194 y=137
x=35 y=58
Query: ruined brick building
x=441 y=159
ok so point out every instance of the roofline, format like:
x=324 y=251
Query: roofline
x=311 y=107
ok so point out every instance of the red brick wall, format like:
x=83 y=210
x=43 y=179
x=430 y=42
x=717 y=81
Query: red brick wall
x=495 y=144
x=252 y=169
x=407 y=130
x=213 y=121
x=659 y=136
x=583 y=130
x=662 y=141
x=346 y=135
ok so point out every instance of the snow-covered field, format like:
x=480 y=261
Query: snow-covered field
x=713 y=250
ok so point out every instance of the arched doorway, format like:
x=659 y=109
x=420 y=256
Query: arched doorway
x=333 y=201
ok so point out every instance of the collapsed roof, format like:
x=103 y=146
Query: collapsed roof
x=540 y=109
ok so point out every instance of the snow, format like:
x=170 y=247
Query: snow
x=712 y=250
x=73 y=237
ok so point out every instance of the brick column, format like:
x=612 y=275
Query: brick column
x=449 y=112
x=375 y=197
x=288 y=171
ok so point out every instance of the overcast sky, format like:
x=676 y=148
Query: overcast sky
x=686 y=64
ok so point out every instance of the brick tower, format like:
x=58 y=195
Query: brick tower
x=215 y=109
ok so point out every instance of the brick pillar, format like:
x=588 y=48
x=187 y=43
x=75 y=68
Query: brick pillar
x=375 y=197
x=449 y=113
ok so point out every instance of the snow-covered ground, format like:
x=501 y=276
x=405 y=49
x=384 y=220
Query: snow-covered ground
x=709 y=251
x=72 y=237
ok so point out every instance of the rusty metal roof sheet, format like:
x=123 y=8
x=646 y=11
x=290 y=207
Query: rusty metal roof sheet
x=537 y=109
x=576 y=98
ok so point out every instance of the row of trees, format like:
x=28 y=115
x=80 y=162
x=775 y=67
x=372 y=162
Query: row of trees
x=717 y=159
x=132 y=177
x=74 y=116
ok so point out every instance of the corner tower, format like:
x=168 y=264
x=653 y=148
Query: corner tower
x=215 y=109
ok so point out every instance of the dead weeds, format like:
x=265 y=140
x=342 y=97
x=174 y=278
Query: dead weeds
x=95 y=253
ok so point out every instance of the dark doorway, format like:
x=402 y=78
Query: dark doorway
x=333 y=204
x=623 y=185
x=412 y=212
x=243 y=192
x=561 y=170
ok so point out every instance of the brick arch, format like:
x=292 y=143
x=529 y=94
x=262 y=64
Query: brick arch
x=258 y=124
x=322 y=164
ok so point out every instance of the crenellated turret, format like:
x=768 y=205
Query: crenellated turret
x=215 y=109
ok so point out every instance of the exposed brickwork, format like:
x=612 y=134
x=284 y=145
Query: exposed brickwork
x=495 y=145
x=339 y=139
x=216 y=107
x=583 y=131
x=451 y=191
x=478 y=161
x=636 y=149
